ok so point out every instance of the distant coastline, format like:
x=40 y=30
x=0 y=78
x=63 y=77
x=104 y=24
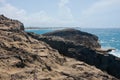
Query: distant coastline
x=40 y=28
x=50 y=27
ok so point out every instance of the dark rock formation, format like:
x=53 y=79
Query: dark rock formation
x=105 y=62
x=79 y=37
x=24 y=58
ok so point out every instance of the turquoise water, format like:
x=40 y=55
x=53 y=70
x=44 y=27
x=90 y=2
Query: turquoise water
x=109 y=38
x=41 y=31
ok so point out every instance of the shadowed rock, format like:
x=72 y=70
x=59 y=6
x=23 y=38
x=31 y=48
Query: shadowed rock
x=79 y=37
x=105 y=62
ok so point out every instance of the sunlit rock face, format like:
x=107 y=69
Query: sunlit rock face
x=9 y=24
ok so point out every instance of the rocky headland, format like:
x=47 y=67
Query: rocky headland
x=28 y=56
x=70 y=46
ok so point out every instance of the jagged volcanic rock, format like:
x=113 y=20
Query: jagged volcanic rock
x=105 y=62
x=79 y=37
x=24 y=58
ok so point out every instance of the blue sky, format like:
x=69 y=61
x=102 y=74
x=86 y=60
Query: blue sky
x=64 y=13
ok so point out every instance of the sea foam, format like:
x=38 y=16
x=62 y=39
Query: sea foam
x=115 y=52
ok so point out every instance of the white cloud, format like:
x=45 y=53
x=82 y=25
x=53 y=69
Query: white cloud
x=103 y=13
x=100 y=6
x=11 y=11
x=2 y=1
x=65 y=15
x=40 y=18
x=64 y=11
x=63 y=2
x=99 y=13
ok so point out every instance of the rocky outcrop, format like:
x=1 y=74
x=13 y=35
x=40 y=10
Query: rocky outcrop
x=23 y=57
x=9 y=24
x=19 y=53
x=105 y=62
x=79 y=37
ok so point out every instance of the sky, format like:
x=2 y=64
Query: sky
x=64 y=13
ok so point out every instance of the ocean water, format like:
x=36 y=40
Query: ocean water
x=108 y=38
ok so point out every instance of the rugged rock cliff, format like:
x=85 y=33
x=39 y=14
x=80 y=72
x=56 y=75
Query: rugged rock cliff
x=23 y=57
x=79 y=37
x=71 y=48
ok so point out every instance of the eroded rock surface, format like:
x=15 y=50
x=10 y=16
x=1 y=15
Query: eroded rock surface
x=79 y=37
x=104 y=61
x=23 y=57
x=9 y=24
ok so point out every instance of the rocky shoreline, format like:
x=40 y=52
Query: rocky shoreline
x=104 y=61
x=52 y=56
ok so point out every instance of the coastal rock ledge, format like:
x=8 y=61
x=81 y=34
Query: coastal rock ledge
x=78 y=37
x=27 y=56
x=67 y=43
